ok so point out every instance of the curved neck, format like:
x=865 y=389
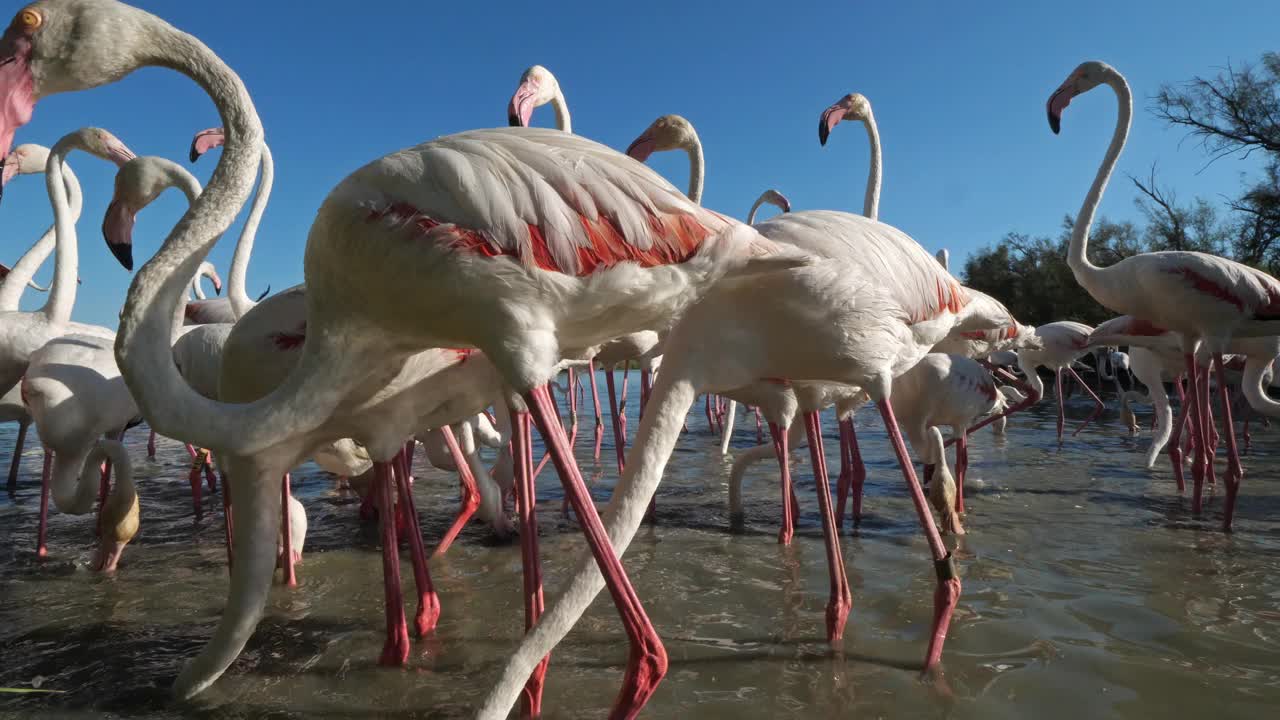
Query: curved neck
x=1033 y=378
x=241 y=303
x=143 y=347
x=751 y=214
x=25 y=269
x=190 y=187
x=62 y=295
x=1254 y=388
x=1076 y=254
x=195 y=287
x=871 y=199
x=563 y=121
x=697 y=167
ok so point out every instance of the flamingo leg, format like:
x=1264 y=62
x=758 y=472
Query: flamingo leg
x=1030 y=399
x=428 y=613
x=210 y=477
x=104 y=488
x=780 y=447
x=962 y=465
x=647 y=663
x=193 y=479
x=711 y=423
x=1097 y=400
x=395 y=652
x=859 y=474
x=622 y=400
x=619 y=441
x=151 y=446
x=947 y=594
x=759 y=426
x=841 y=599
x=1174 y=446
x=1211 y=432
x=1234 y=471
x=646 y=386
x=546 y=455
x=595 y=399
x=470 y=492
x=526 y=499
x=1061 y=414
x=845 y=479
x=287 y=558
x=16 y=462
x=1197 y=432
x=42 y=550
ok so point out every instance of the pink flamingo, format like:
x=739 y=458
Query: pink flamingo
x=1063 y=342
x=1204 y=298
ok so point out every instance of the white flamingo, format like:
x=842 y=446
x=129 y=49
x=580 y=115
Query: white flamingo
x=1204 y=298
x=1063 y=342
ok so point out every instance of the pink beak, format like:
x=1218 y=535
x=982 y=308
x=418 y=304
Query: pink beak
x=117 y=229
x=828 y=120
x=1058 y=102
x=206 y=140
x=642 y=147
x=521 y=107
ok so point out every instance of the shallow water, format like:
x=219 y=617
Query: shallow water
x=1089 y=591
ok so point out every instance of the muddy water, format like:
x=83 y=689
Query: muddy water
x=1089 y=592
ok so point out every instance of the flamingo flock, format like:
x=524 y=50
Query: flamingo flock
x=450 y=285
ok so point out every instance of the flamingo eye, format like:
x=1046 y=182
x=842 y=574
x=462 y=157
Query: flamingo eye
x=30 y=19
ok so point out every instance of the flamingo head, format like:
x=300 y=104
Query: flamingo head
x=537 y=88
x=854 y=106
x=1087 y=76
x=207 y=270
x=669 y=132
x=138 y=183
x=206 y=140
x=25 y=159
x=776 y=199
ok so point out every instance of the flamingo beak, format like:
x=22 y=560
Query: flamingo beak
x=520 y=108
x=1058 y=102
x=206 y=140
x=117 y=229
x=217 y=286
x=642 y=147
x=828 y=120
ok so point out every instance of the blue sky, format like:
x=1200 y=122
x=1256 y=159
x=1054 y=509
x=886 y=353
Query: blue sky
x=958 y=91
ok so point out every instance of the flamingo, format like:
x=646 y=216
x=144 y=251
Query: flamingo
x=858 y=334
x=1062 y=342
x=1204 y=298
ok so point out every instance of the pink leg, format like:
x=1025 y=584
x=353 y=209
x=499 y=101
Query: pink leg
x=573 y=410
x=210 y=477
x=1031 y=399
x=859 y=474
x=780 y=446
x=841 y=598
x=845 y=480
x=193 y=479
x=1061 y=413
x=619 y=441
x=962 y=464
x=595 y=398
x=1234 y=471
x=531 y=697
x=1197 y=431
x=622 y=401
x=42 y=550
x=1211 y=431
x=1096 y=412
x=287 y=558
x=647 y=663
x=428 y=602
x=759 y=426
x=395 y=652
x=947 y=594
x=546 y=455
x=470 y=492
x=151 y=446
x=646 y=386
x=104 y=488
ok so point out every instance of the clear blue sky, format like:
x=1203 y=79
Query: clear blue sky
x=958 y=90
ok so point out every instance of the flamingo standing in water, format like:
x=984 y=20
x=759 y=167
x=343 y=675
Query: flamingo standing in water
x=397 y=262
x=1204 y=298
x=1062 y=342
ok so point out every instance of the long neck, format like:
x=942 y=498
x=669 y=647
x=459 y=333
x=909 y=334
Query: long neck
x=669 y=402
x=190 y=187
x=871 y=199
x=1076 y=254
x=563 y=121
x=241 y=303
x=1254 y=387
x=143 y=348
x=697 y=168
x=66 y=259
x=25 y=269
x=1033 y=377
x=195 y=287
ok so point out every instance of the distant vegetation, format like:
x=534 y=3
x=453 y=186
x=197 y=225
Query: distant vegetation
x=1236 y=112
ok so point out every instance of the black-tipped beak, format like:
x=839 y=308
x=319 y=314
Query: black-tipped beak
x=823 y=132
x=123 y=253
x=1055 y=122
x=194 y=155
x=264 y=293
x=513 y=120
